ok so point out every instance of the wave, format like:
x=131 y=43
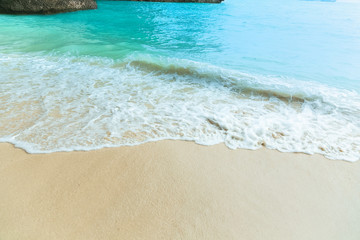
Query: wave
x=64 y=103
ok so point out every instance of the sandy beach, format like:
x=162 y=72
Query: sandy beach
x=79 y=78
x=177 y=190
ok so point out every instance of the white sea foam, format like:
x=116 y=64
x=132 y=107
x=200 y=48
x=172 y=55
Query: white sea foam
x=57 y=103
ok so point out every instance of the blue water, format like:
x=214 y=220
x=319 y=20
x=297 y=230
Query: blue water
x=235 y=63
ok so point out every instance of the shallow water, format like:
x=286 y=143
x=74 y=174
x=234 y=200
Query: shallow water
x=280 y=74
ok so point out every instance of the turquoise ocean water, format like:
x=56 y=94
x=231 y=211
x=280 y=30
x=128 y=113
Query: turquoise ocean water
x=282 y=74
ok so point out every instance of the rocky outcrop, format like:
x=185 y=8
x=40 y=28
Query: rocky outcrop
x=44 y=6
x=190 y=1
x=58 y=6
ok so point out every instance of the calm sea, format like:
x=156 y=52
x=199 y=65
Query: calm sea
x=281 y=74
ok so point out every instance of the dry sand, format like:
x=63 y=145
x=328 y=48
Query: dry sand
x=177 y=190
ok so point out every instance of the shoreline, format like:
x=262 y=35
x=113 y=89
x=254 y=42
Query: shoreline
x=225 y=116
x=22 y=147
x=177 y=190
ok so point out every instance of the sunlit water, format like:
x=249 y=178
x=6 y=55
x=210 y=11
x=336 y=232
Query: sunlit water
x=278 y=74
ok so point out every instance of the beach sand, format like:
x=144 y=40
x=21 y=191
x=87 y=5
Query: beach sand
x=177 y=190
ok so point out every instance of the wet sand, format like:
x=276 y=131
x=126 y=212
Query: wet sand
x=177 y=190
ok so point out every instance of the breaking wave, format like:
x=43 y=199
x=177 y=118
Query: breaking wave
x=64 y=103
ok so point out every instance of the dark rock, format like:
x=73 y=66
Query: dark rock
x=44 y=6
x=189 y=1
